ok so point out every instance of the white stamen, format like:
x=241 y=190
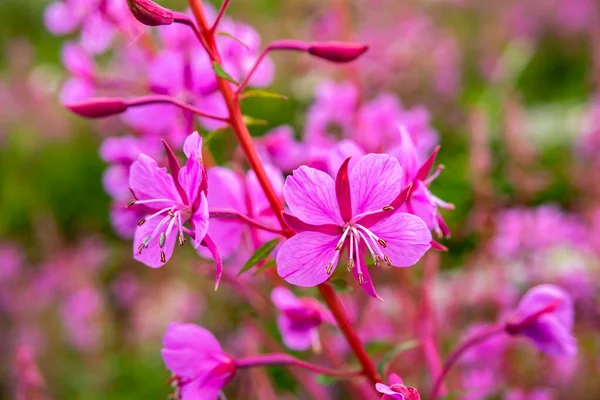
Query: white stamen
x=339 y=245
x=153 y=201
x=156 y=214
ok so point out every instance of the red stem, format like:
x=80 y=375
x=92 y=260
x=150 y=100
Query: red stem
x=286 y=359
x=219 y=16
x=245 y=140
x=345 y=326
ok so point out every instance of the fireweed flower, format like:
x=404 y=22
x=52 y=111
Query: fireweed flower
x=545 y=316
x=358 y=211
x=195 y=357
x=397 y=390
x=299 y=319
x=421 y=201
x=174 y=198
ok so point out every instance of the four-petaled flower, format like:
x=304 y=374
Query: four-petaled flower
x=358 y=211
x=195 y=357
x=545 y=316
x=175 y=198
x=299 y=319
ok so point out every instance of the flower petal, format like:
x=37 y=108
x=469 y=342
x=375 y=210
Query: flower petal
x=148 y=181
x=540 y=296
x=303 y=259
x=199 y=221
x=342 y=191
x=294 y=339
x=407 y=237
x=259 y=201
x=212 y=247
x=298 y=226
x=187 y=349
x=283 y=298
x=310 y=195
x=151 y=255
x=550 y=336
x=375 y=181
x=192 y=147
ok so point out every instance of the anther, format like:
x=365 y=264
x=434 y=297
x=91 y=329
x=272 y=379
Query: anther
x=382 y=242
x=361 y=279
x=161 y=240
x=141 y=247
x=350 y=264
x=377 y=261
x=329 y=268
x=338 y=246
x=170 y=213
x=163 y=257
x=387 y=260
x=141 y=221
x=182 y=240
x=388 y=208
x=130 y=203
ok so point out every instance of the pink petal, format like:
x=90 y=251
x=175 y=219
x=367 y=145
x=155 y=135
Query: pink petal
x=148 y=181
x=367 y=285
x=344 y=149
x=407 y=155
x=60 y=19
x=407 y=237
x=210 y=245
x=310 y=195
x=151 y=255
x=284 y=298
x=192 y=147
x=97 y=34
x=375 y=181
x=298 y=340
x=199 y=221
x=187 y=349
x=302 y=260
x=540 y=296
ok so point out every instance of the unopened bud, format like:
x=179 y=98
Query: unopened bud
x=98 y=107
x=339 y=52
x=149 y=13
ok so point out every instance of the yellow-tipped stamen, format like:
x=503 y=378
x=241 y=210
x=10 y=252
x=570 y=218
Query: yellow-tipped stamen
x=329 y=268
x=130 y=203
x=387 y=261
x=163 y=257
x=141 y=221
x=350 y=264
x=361 y=279
x=382 y=242
x=388 y=208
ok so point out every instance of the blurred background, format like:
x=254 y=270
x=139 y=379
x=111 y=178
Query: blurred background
x=508 y=87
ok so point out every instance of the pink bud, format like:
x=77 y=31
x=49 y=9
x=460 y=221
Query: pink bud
x=98 y=107
x=149 y=13
x=339 y=52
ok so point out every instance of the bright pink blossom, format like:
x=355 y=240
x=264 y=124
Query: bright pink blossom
x=174 y=198
x=397 y=390
x=200 y=365
x=357 y=211
x=299 y=319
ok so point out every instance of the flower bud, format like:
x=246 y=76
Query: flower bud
x=339 y=52
x=98 y=107
x=149 y=13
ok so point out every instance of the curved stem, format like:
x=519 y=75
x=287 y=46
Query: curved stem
x=183 y=19
x=233 y=214
x=219 y=16
x=157 y=99
x=286 y=359
x=459 y=351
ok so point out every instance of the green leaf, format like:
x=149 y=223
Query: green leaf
x=340 y=285
x=262 y=93
x=268 y=265
x=248 y=120
x=218 y=68
x=206 y=138
x=230 y=36
x=259 y=255
x=402 y=347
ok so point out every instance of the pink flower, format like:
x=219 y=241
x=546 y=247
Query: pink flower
x=421 y=201
x=396 y=390
x=536 y=394
x=174 y=198
x=357 y=211
x=299 y=319
x=545 y=316
x=195 y=356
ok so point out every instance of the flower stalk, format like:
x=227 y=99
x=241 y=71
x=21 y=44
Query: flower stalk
x=285 y=359
x=245 y=140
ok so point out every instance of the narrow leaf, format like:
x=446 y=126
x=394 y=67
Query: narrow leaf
x=218 y=68
x=248 y=120
x=262 y=93
x=230 y=36
x=261 y=253
x=402 y=347
x=326 y=380
x=268 y=265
